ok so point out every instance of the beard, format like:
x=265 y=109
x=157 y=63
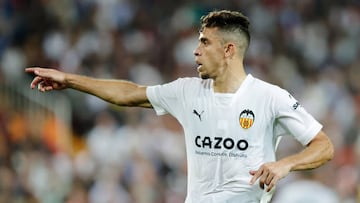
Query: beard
x=204 y=76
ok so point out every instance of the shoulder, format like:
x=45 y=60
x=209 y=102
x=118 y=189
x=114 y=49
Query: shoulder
x=269 y=93
x=182 y=86
x=194 y=80
x=194 y=83
x=278 y=97
x=265 y=87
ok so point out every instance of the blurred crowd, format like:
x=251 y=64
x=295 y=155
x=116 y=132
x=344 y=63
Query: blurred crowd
x=129 y=155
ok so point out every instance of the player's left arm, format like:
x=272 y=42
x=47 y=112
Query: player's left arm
x=317 y=152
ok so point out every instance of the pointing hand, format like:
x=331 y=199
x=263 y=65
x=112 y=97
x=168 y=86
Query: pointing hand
x=47 y=79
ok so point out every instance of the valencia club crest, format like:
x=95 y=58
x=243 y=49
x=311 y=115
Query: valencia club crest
x=246 y=118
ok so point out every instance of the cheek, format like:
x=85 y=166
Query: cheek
x=214 y=59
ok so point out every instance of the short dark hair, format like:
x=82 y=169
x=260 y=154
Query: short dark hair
x=227 y=21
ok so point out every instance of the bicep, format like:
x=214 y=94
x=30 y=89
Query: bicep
x=320 y=138
x=320 y=147
x=139 y=98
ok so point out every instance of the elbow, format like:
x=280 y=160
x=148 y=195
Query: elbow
x=123 y=103
x=325 y=148
x=130 y=102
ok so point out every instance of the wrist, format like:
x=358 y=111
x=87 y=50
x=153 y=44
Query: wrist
x=289 y=163
x=69 y=80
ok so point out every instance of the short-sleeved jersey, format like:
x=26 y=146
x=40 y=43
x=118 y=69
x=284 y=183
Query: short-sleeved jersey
x=227 y=135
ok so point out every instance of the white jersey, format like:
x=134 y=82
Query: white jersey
x=227 y=135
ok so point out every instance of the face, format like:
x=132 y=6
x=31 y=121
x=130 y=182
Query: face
x=210 y=54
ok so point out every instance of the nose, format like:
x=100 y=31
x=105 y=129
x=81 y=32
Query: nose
x=196 y=52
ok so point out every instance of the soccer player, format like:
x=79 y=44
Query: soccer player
x=232 y=120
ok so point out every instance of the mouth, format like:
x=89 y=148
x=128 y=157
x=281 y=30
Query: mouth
x=199 y=65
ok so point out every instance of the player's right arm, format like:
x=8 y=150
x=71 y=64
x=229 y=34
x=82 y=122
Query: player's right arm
x=119 y=92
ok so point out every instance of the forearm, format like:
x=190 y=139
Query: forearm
x=119 y=92
x=319 y=151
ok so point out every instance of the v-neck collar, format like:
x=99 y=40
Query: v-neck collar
x=232 y=96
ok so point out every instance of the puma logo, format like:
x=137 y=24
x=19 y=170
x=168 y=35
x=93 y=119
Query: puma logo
x=198 y=114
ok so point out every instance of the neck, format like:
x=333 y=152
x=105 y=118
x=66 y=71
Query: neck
x=230 y=80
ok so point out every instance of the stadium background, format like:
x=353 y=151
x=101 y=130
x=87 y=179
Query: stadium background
x=71 y=147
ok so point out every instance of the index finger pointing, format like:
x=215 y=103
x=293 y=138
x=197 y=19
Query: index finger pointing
x=31 y=70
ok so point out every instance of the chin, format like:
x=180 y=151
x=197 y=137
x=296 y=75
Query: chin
x=204 y=77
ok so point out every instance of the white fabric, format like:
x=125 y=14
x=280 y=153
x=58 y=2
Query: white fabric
x=220 y=152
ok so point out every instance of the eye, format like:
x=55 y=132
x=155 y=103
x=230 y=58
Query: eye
x=204 y=41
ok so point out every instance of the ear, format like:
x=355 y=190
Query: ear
x=230 y=49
